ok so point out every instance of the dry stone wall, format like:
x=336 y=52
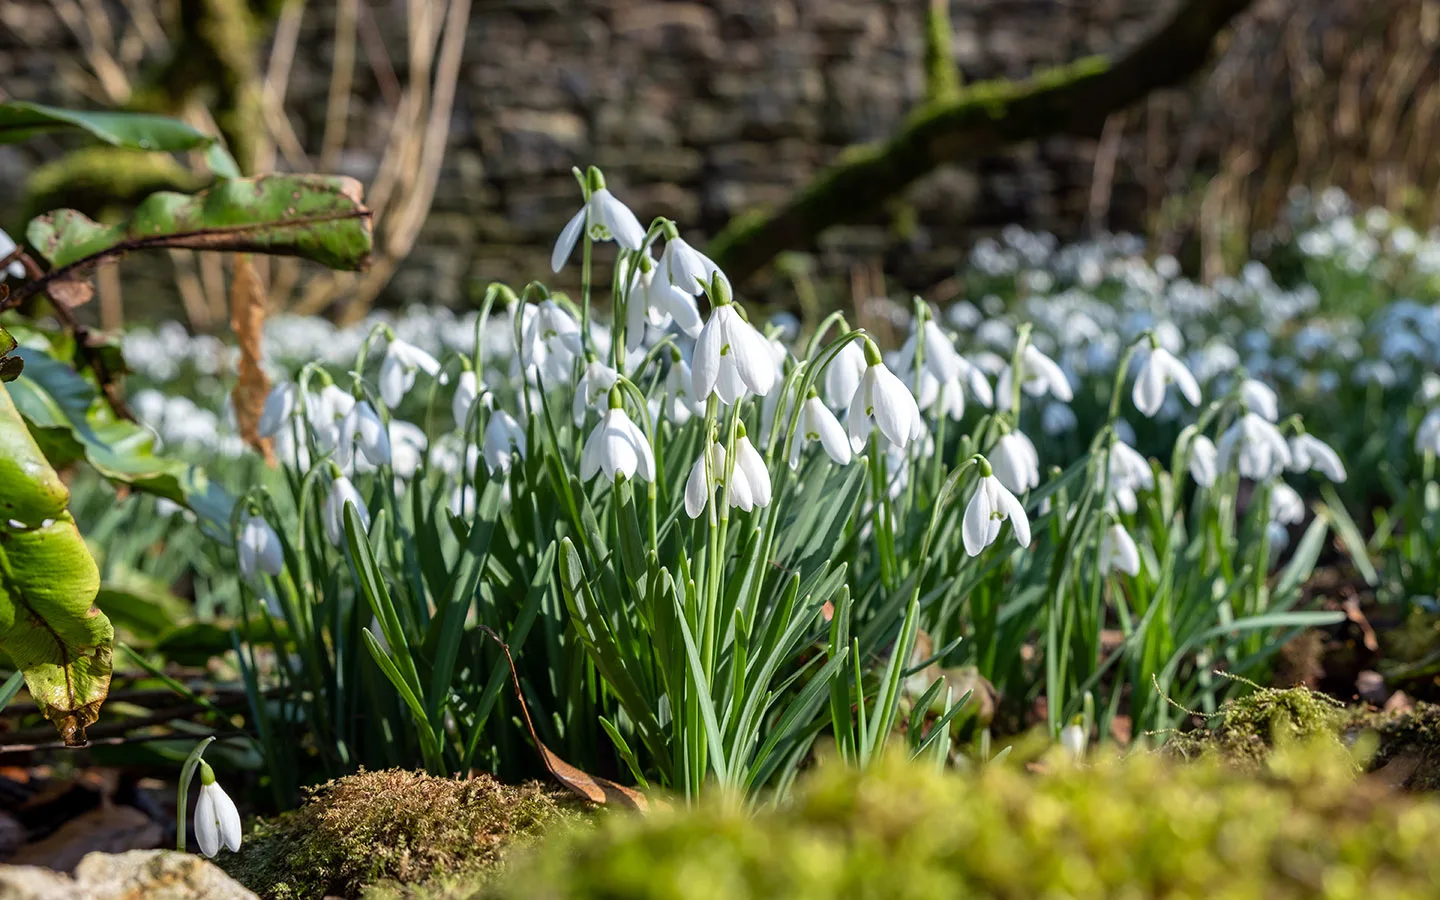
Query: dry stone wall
x=696 y=110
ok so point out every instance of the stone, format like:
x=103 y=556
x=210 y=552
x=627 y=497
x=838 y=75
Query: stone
x=152 y=874
x=109 y=829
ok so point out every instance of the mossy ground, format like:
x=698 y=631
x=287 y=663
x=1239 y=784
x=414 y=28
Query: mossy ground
x=397 y=827
x=1267 y=801
x=1144 y=826
x=1246 y=731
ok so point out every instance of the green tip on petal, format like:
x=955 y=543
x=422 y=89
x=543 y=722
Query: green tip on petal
x=872 y=353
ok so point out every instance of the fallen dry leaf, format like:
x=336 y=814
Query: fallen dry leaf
x=247 y=318
x=591 y=787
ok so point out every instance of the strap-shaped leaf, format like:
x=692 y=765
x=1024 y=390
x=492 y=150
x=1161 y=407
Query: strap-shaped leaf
x=316 y=217
x=21 y=121
x=48 y=583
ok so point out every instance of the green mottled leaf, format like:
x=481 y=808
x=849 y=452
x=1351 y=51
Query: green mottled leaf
x=48 y=624
x=21 y=121
x=317 y=217
x=71 y=423
x=10 y=366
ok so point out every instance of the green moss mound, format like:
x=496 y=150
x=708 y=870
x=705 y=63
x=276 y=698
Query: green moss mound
x=1246 y=731
x=394 y=825
x=1408 y=744
x=1146 y=826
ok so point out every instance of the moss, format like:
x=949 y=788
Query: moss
x=1408 y=745
x=1246 y=731
x=392 y=825
x=97 y=180
x=1146 y=826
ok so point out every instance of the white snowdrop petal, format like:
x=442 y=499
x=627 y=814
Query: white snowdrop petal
x=565 y=243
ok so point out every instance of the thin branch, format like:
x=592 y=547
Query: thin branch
x=985 y=118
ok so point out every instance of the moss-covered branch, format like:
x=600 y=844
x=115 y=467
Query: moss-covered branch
x=984 y=118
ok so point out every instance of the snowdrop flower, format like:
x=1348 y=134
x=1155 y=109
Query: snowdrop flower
x=991 y=505
x=325 y=413
x=1286 y=507
x=504 y=441
x=7 y=246
x=1129 y=472
x=408 y=444
x=397 y=371
x=975 y=381
x=1016 y=463
x=1118 y=552
x=362 y=430
x=467 y=391
x=1045 y=377
x=1427 y=436
x=680 y=403
x=1259 y=398
x=749 y=463
x=550 y=341
x=947 y=399
x=1073 y=740
x=1308 y=452
x=217 y=821
x=843 y=374
x=685 y=267
x=940 y=358
x=617 y=447
x=707 y=474
x=749 y=483
x=594 y=386
x=279 y=407
x=462 y=505
x=603 y=218
x=730 y=355
x=1159 y=369
x=1129 y=467
x=342 y=494
x=1254 y=447
x=818 y=423
x=258 y=549
x=882 y=401
x=1203 y=463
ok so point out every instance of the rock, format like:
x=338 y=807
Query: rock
x=152 y=874
x=106 y=829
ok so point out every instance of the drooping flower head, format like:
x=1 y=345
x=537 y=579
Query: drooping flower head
x=988 y=510
x=397 y=371
x=217 y=821
x=882 y=401
x=602 y=218
x=1160 y=369
x=731 y=356
x=617 y=447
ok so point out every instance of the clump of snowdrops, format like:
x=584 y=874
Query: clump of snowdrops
x=710 y=544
